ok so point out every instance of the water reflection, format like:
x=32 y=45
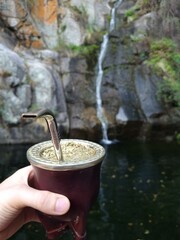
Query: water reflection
x=139 y=195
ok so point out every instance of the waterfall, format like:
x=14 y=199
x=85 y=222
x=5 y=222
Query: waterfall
x=100 y=113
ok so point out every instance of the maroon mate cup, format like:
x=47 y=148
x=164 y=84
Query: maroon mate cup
x=76 y=176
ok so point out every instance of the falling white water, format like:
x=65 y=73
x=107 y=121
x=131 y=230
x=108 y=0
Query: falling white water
x=100 y=113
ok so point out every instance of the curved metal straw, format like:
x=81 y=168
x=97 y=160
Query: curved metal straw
x=53 y=129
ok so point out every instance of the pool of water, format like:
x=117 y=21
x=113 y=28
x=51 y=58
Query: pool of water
x=139 y=197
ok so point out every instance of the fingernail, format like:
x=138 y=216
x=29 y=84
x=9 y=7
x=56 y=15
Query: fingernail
x=62 y=205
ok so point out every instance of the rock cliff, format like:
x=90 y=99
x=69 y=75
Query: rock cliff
x=48 y=59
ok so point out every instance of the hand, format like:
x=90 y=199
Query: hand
x=18 y=202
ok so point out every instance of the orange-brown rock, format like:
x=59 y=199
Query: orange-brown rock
x=17 y=17
x=45 y=11
x=29 y=36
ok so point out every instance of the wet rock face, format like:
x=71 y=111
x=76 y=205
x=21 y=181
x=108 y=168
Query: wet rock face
x=46 y=24
x=42 y=79
x=27 y=87
x=33 y=75
x=130 y=87
x=12 y=77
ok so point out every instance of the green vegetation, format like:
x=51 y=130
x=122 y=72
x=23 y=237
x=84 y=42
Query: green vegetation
x=92 y=35
x=165 y=60
x=138 y=37
x=88 y=51
x=132 y=13
x=84 y=50
x=140 y=8
x=161 y=55
x=178 y=137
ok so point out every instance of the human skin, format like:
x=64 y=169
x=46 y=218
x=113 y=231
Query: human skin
x=19 y=202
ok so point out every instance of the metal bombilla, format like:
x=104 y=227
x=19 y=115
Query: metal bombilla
x=52 y=126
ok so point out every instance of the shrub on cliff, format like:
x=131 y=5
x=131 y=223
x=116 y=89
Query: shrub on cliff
x=165 y=60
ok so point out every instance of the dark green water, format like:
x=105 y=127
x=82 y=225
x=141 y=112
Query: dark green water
x=139 y=197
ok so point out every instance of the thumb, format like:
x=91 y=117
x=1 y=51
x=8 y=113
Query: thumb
x=14 y=211
x=19 y=194
x=44 y=201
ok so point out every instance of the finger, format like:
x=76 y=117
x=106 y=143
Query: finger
x=17 y=195
x=44 y=201
x=15 y=200
x=20 y=176
x=26 y=216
